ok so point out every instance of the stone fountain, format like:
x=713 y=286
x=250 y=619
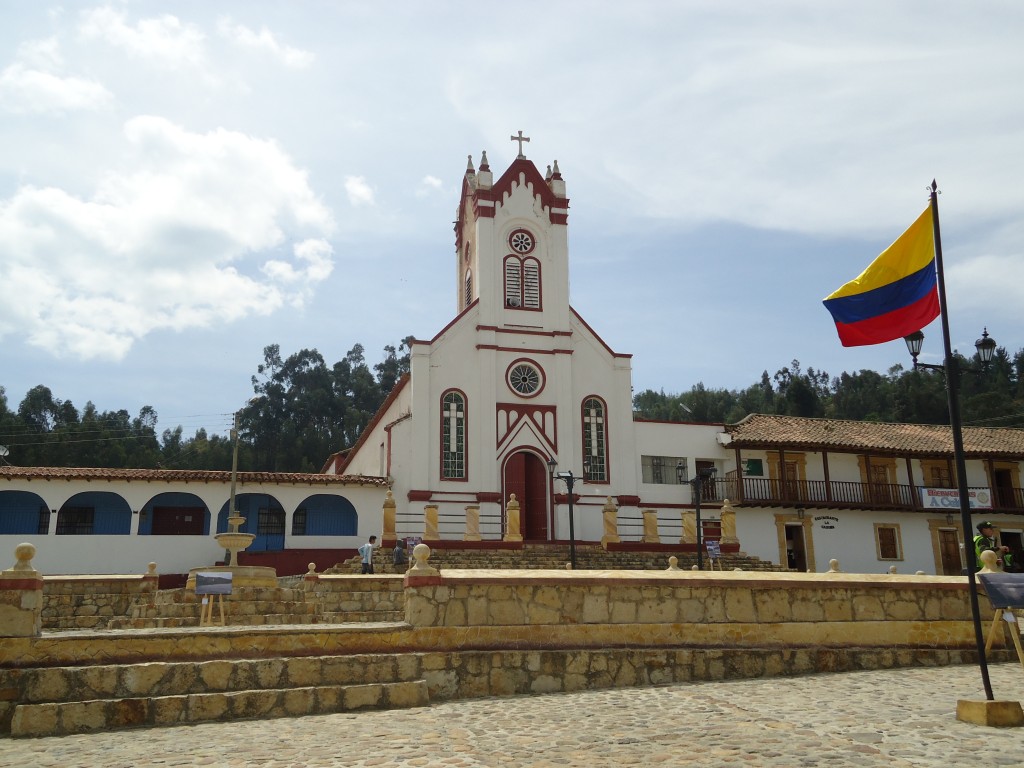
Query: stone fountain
x=235 y=541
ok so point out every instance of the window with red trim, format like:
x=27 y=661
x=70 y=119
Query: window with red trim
x=453 y=436
x=595 y=440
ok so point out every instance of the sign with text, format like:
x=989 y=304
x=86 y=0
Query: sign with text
x=949 y=498
x=714 y=549
x=213 y=582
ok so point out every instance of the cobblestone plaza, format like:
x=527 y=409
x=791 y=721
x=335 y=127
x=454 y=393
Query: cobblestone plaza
x=902 y=717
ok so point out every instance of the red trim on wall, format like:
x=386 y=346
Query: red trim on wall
x=522 y=332
x=456 y=319
x=422 y=581
x=510 y=179
x=596 y=336
x=628 y=501
x=521 y=350
x=526 y=411
x=368 y=429
x=21 y=584
x=419 y=495
x=484 y=497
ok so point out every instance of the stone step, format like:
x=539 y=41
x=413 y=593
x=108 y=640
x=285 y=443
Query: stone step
x=63 y=718
x=42 y=685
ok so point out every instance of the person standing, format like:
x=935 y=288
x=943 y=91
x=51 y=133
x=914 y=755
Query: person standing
x=985 y=540
x=398 y=556
x=366 y=552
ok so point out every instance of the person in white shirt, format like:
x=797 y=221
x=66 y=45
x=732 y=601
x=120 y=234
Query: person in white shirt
x=366 y=551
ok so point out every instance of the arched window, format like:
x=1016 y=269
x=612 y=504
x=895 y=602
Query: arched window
x=469 y=289
x=595 y=440
x=453 y=435
x=522 y=283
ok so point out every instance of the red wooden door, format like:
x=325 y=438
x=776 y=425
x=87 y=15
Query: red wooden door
x=535 y=515
x=526 y=476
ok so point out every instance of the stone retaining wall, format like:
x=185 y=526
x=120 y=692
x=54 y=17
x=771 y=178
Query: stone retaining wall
x=90 y=602
x=722 y=609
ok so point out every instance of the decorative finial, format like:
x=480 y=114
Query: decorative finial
x=547 y=176
x=556 y=174
x=520 y=138
x=469 y=164
x=484 y=165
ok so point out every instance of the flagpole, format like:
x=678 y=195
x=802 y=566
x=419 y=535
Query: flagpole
x=952 y=371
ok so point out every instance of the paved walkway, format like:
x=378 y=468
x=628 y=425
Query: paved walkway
x=890 y=718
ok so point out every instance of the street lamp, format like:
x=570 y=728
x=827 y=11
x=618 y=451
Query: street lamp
x=950 y=368
x=697 y=484
x=986 y=347
x=570 y=480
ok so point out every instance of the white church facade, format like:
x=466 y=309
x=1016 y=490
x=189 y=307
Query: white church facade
x=516 y=386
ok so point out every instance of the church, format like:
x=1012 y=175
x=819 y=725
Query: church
x=518 y=384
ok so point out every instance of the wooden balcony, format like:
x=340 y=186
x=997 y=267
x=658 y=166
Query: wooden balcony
x=759 y=491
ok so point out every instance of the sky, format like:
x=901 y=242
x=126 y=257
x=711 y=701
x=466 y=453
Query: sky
x=183 y=184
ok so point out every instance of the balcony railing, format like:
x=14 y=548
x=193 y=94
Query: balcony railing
x=821 y=493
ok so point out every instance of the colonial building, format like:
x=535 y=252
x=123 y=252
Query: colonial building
x=866 y=493
x=518 y=380
x=119 y=520
x=517 y=387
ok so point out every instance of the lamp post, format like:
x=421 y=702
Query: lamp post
x=950 y=367
x=697 y=484
x=570 y=480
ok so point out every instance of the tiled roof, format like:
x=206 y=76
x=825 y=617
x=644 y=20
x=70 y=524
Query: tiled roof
x=183 y=475
x=793 y=432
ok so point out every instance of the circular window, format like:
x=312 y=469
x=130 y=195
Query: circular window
x=525 y=379
x=521 y=241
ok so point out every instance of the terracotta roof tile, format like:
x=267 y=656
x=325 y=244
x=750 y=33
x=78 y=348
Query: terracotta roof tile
x=183 y=475
x=793 y=432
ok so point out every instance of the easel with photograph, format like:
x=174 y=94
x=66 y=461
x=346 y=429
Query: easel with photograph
x=212 y=585
x=1006 y=593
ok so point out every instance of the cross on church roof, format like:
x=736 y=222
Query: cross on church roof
x=520 y=138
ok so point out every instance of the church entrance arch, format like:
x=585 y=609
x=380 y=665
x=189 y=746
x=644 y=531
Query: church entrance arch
x=526 y=475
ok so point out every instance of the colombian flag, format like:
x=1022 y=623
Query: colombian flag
x=896 y=295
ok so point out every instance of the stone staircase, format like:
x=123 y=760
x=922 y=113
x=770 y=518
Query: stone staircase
x=66 y=700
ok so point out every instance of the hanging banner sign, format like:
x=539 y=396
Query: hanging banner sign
x=949 y=498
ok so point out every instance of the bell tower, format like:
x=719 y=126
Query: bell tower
x=511 y=245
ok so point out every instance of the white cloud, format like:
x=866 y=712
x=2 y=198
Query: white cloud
x=175 y=243
x=295 y=58
x=429 y=185
x=165 y=38
x=41 y=54
x=359 y=192
x=31 y=91
x=32 y=84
